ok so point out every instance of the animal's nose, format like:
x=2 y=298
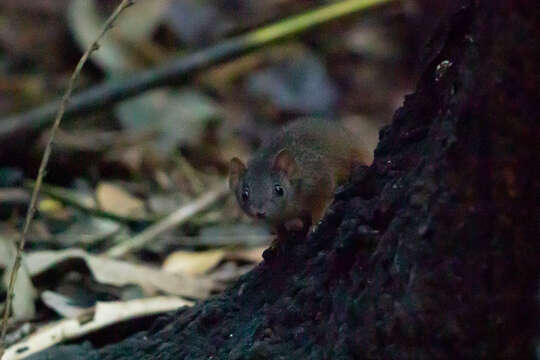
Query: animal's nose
x=260 y=214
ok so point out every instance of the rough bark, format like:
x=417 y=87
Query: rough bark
x=430 y=253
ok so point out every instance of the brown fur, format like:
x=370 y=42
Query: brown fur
x=308 y=159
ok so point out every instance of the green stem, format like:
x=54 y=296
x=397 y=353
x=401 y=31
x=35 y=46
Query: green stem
x=308 y=20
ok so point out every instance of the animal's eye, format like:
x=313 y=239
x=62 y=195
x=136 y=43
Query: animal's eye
x=245 y=194
x=278 y=190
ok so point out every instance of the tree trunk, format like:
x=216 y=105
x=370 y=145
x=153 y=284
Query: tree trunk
x=430 y=253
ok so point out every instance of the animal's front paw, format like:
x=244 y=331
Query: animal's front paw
x=294 y=225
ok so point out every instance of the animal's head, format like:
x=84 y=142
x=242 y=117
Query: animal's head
x=265 y=192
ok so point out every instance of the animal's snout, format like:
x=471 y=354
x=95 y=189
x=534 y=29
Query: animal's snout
x=260 y=214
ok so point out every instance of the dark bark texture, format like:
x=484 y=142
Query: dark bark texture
x=430 y=253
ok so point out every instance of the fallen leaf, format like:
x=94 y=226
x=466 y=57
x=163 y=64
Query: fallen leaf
x=19 y=333
x=105 y=314
x=117 y=53
x=14 y=195
x=53 y=209
x=196 y=22
x=84 y=21
x=88 y=230
x=192 y=262
x=50 y=206
x=61 y=304
x=253 y=255
x=166 y=203
x=148 y=16
x=234 y=234
x=177 y=117
x=300 y=84
x=22 y=306
x=372 y=41
x=229 y=272
x=116 y=200
x=121 y=273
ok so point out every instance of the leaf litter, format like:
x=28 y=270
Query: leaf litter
x=119 y=171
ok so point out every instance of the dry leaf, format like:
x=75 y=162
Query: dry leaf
x=192 y=262
x=105 y=314
x=253 y=255
x=53 y=209
x=118 y=52
x=50 y=206
x=13 y=196
x=121 y=273
x=248 y=235
x=229 y=271
x=24 y=295
x=61 y=304
x=116 y=200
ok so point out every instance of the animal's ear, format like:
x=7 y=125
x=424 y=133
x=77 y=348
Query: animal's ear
x=284 y=162
x=236 y=170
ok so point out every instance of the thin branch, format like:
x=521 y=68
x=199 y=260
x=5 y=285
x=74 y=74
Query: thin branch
x=173 y=220
x=185 y=67
x=42 y=168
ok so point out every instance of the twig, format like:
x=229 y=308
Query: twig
x=67 y=197
x=44 y=160
x=176 y=218
x=182 y=69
